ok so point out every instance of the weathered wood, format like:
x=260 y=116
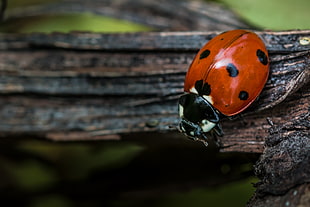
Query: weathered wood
x=284 y=167
x=97 y=86
x=286 y=160
x=297 y=196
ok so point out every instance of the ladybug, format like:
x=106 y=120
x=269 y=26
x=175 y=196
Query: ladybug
x=226 y=76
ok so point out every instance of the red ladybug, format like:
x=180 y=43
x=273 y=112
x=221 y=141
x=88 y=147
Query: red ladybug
x=225 y=77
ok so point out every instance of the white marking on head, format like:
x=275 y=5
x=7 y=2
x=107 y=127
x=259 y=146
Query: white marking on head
x=206 y=125
x=181 y=111
x=193 y=90
x=208 y=98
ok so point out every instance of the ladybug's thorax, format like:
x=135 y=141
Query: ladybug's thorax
x=197 y=114
x=206 y=97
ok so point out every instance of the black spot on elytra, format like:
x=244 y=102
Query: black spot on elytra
x=203 y=88
x=262 y=57
x=232 y=70
x=206 y=89
x=198 y=85
x=204 y=54
x=243 y=95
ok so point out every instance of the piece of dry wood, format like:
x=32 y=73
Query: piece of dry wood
x=82 y=86
x=298 y=196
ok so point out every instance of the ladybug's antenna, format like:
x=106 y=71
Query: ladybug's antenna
x=203 y=139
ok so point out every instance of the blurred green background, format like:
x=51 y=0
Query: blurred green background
x=264 y=14
x=37 y=173
x=273 y=14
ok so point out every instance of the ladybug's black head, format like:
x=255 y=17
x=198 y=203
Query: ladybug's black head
x=198 y=116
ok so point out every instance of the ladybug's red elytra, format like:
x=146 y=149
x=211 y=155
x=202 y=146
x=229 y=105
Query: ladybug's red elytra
x=225 y=77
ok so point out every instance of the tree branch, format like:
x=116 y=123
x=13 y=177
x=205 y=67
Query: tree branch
x=81 y=86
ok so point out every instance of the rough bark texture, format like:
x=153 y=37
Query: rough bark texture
x=81 y=86
x=296 y=196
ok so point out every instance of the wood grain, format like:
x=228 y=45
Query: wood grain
x=82 y=86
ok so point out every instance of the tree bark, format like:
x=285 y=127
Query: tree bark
x=82 y=86
x=296 y=196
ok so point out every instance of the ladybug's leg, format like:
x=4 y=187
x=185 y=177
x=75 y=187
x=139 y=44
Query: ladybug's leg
x=215 y=139
x=234 y=117
x=218 y=130
x=191 y=129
